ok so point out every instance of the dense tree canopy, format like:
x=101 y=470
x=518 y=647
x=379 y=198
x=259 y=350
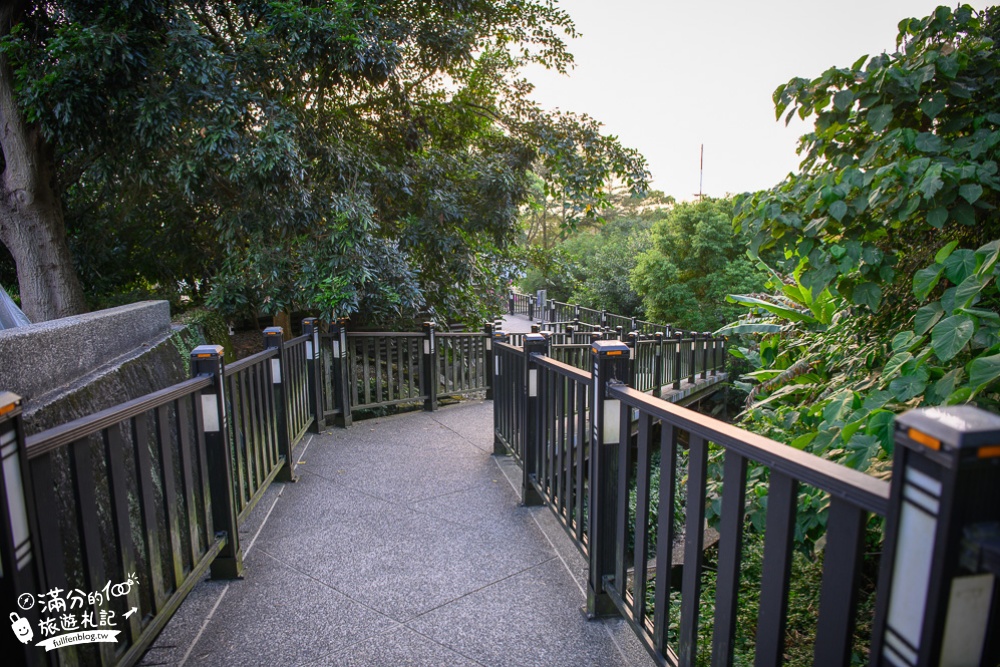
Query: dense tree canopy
x=693 y=262
x=343 y=156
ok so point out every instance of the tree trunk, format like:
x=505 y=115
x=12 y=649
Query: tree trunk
x=31 y=216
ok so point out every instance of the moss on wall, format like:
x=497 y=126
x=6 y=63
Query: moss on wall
x=214 y=330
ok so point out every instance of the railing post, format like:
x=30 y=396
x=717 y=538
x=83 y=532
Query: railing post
x=693 y=358
x=488 y=361
x=310 y=326
x=19 y=557
x=938 y=602
x=274 y=338
x=576 y=313
x=207 y=360
x=339 y=369
x=534 y=343
x=510 y=302
x=570 y=330
x=658 y=365
x=630 y=340
x=610 y=366
x=618 y=333
x=720 y=346
x=706 y=339
x=552 y=310
x=604 y=318
x=430 y=367
x=634 y=324
x=531 y=308
x=504 y=387
x=678 y=357
x=536 y=328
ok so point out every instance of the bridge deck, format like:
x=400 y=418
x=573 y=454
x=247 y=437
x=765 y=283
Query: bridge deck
x=402 y=543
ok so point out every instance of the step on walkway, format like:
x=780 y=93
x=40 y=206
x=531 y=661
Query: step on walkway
x=402 y=543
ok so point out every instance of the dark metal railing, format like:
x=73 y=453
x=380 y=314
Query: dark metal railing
x=119 y=492
x=381 y=369
x=576 y=355
x=508 y=394
x=462 y=363
x=252 y=428
x=147 y=496
x=296 y=370
x=586 y=442
x=853 y=497
x=559 y=427
x=385 y=369
x=555 y=316
x=518 y=304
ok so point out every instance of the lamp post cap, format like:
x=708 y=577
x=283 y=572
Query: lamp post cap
x=609 y=348
x=273 y=331
x=206 y=351
x=534 y=338
x=9 y=401
x=952 y=427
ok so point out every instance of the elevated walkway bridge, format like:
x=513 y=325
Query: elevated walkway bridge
x=248 y=516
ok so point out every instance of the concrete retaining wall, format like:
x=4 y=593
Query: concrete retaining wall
x=75 y=366
x=43 y=357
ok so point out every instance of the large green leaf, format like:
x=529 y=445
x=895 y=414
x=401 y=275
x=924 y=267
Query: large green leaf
x=952 y=334
x=943 y=388
x=880 y=425
x=945 y=252
x=925 y=280
x=758 y=327
x=937 y=217
x=906 y=387
x=968 y=290
x=960 y=265
x=783 y=311
x=927 y=316
x=901 y=341
x=837 y=210
x=876 y=400
x=928 y=142
x=868 y=294
x=879 y=117
x=989 y=254
x=971 y=192
x=933 y=105
x=843 y=99
x=984 y=370
x=894 y=364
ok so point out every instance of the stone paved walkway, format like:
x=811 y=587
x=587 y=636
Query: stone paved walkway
x=402 y=544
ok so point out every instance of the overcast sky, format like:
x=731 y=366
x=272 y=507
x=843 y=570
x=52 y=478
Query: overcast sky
x=666 y=77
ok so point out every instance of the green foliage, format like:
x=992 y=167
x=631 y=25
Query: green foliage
x=803 y=607
x=693 y=263
x=366 y=157
x=904 y=144
x=214 y=329
x=888 y=301
x=591 y=265
x=605 y=271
